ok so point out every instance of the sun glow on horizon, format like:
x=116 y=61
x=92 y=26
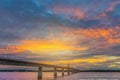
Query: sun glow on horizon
x=49 y=45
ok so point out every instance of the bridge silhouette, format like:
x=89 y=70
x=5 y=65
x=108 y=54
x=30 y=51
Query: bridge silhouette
x=4 y=61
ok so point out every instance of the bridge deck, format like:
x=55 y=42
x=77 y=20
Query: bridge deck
x=26 y=63
x=39 y=65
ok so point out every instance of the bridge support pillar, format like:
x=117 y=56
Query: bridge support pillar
x=55 y=73
x=40 y=73
x=68 y=71
x=72 y=71
x=62 y=72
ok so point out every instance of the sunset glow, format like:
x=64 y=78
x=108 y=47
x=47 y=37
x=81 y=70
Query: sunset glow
x=62 y=32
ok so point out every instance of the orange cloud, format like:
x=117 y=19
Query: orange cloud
x=37 y=46
x=111 y=35
x=73 y=12
x=112 y=41
x=68 y=42
x=48 y=45
x=112 y=5
x=44 y=45
x=109 y=9
x=10 y=49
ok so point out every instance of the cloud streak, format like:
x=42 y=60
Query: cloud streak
x=72 y=32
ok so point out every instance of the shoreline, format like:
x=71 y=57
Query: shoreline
x=59 y=71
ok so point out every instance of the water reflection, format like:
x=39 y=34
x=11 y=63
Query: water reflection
x=50 y=76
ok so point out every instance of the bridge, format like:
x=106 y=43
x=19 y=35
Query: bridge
x=40 y=66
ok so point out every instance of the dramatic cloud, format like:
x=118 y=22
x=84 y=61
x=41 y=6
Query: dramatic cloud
x=81 y=32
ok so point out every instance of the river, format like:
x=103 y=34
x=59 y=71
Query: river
x=49 y=76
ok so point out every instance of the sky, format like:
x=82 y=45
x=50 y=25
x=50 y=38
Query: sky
x=82 y=33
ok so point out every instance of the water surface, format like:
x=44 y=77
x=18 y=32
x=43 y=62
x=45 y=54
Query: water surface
x=49 y=76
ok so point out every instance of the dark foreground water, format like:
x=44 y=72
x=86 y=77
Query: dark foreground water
x=49 y=76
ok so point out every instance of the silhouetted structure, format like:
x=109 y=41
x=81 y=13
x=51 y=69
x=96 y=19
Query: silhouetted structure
x=40 y=66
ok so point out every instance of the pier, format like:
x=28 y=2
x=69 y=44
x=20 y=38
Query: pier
x=40 y=66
